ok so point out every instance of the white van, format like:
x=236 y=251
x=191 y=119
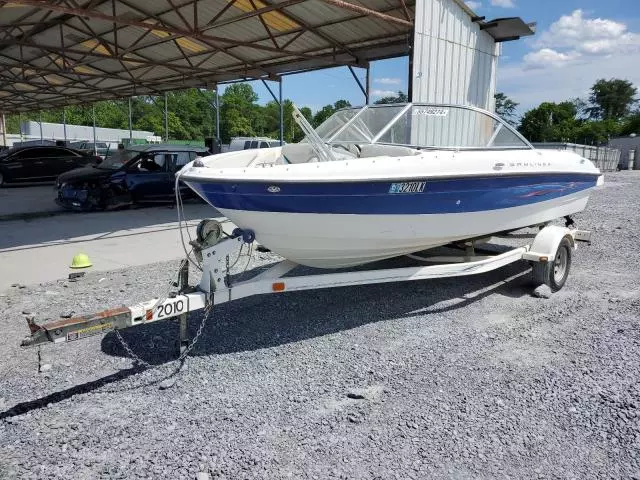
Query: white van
x=246 y=143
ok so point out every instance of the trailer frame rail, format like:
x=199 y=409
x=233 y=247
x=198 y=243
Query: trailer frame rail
x=216 y=286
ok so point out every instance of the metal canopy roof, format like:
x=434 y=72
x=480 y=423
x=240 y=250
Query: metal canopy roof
x=63 y=52
x=55 y=53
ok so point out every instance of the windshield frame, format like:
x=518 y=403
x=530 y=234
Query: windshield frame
x=110 y=159
x=526 y=145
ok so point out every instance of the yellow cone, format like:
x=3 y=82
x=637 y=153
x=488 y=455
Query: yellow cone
x=81 y=260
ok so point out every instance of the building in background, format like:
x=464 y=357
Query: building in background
x=31 y=131
x=455 y=53
x=630 y=148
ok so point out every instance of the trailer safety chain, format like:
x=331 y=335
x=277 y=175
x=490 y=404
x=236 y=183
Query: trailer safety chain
x=209 y=308
x=205 y=316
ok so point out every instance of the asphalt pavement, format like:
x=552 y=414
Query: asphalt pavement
x=40 y=250
x=28 y=201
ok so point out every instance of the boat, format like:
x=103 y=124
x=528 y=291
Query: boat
x=381 y=181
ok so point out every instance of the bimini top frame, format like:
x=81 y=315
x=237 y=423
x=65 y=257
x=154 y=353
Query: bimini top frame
x=421 y=125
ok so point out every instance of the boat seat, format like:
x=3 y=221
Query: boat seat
x=298 y=153
x=303 y=153
x=368 y=150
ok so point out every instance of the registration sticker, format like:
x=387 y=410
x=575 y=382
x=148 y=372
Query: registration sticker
x=407 y=187
x=87 y=332
x=431 y=111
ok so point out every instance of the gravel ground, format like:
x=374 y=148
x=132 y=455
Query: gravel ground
x=454 y=378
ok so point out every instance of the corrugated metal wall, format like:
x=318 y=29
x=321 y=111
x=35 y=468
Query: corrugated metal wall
x=606 y=159
x=453 y=61
x=55 y=131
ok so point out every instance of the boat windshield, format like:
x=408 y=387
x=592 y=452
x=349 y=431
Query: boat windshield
x=422 y=126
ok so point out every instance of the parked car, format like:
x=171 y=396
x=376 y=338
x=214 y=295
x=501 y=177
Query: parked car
x=102 y=149
x=246 y=143
x=40 y=163
x=139 y=174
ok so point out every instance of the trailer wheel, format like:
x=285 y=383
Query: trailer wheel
x=554 y=274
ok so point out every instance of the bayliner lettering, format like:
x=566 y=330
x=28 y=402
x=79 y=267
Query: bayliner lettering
x=407 y=187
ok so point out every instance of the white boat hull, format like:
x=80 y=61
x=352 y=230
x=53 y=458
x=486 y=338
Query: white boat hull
x=344 y=240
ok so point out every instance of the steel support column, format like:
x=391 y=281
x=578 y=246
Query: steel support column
x=411 y=48
x=369 y=80
x=64 y=123
x=93 y=111
x=278 y=100
x=20 y=124
x=130 y=123
x=281 y=114
x=363 y=89
x=166 y=119
x=41 y=136
x=218 y=117
x=3 y=126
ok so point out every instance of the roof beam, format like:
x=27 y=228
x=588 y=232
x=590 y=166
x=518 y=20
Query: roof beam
x=175 y=39
x=253 y=13
x=80 y=12
x=407 y=14
x=308 y=28
x=369 y=12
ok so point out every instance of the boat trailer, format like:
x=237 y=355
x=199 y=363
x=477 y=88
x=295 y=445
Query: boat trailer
x=216 y=252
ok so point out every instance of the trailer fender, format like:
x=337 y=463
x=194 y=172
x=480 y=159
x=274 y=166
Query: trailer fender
x=546 y=243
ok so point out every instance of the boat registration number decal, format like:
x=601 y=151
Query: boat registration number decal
x=431 y=111
x=407 y=187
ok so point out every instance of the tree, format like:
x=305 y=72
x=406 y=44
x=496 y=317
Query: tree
x=328 y=110
x=582 y=108
x=611 y=99
x=596 y=133
x=505 y=107
x=238 y=111
x=400 y=98
x=631 y=125
x=550 y=122
x=340 y=104
x=292 y=132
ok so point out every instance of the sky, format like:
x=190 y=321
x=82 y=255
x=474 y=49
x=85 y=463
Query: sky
x=577 y=42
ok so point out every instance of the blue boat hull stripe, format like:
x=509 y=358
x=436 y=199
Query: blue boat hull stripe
x=415 y=196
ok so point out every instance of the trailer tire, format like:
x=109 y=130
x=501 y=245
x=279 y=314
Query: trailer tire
x=555 y=274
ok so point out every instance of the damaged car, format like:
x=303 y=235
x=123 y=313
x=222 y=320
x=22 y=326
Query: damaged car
x=139 y=174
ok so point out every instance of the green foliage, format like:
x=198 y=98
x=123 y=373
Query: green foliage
x=596 y=132
x=292 y=132
x=505 y=107
x=238 y=112
x=611 y=99
x=400 y=98
x=191 y=115
x=631 y=124
x=328 y=110
x=550 y=122
x=607 y=114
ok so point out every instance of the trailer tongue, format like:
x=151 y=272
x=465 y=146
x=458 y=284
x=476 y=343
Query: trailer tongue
x=216 y=254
